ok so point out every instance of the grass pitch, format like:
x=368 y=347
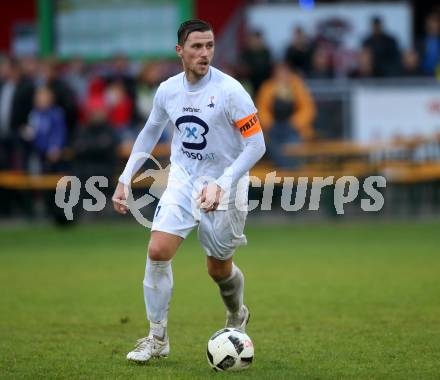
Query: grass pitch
x=333 y=301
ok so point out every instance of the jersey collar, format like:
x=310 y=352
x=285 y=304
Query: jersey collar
x=193 y=87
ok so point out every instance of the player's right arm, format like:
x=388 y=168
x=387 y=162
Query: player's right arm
x=143 y=146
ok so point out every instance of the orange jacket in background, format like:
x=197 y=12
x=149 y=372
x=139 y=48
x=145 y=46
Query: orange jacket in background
x=304 y=106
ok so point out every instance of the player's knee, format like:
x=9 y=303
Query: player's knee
x=158 y=251
x=218 y=272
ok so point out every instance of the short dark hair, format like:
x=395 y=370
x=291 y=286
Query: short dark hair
x=190 y=26
x=376 y=20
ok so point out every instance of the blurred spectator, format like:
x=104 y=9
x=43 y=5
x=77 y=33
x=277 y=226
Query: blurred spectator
x=64 y=96
x=321 y=67
x=120 y=72
x=16 y=94
x=364 y=67
x=95 y=149
x=328 y=53
x=429 y=46
x=384 y=50
x=149 y=79
x=95 y=143
x=29 y=66
x=46 y=133
x=95 y=94
x=255 y=60
x=411 y=64
x=46 y=130
x=76 y=78
x=120 y=108
x=286 y=110
x=298 y=52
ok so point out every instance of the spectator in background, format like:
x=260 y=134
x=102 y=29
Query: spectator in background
x=429 y=45
x=47 y=130
x=120 y=110
x=321 y=65
x=148 y=81
x=95 y=143
x=255 y=60
x=364 y=67
x=16 y=94
x=286 y=110
x=384 y=50
x=76 y=78
x=120 y=72
x=411 y=64
x=95 y=148
x=63 y=95
x=29 y=66
x=299 y=52
x=95 y=95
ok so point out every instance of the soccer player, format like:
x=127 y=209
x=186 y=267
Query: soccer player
x=217 y=135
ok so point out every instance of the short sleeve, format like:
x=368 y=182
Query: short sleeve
x=242 y=112
x=158 y=114
x=240 y=103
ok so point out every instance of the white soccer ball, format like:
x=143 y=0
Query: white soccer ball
x=230 y=350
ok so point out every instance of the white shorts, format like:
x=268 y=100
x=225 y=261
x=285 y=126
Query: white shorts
x=220 y=232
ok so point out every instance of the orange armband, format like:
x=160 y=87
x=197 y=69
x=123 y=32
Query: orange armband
x=249 y=125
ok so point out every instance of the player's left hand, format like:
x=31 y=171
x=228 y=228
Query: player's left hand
x=209 y=198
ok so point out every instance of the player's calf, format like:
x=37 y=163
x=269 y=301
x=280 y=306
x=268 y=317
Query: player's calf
x=231 y=291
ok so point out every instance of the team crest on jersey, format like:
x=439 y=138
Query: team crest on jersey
x=191 y=132
x=211 y=102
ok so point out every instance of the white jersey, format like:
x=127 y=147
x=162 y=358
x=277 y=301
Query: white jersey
x=206 y=138
x=217 y=135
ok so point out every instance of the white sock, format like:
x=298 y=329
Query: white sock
x=158 y=287
x=159 y=330
x=231 y=290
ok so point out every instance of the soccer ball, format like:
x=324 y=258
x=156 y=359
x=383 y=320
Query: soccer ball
x=230 y=350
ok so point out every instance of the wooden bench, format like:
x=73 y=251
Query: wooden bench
x=23 y=181
x=161 y=150
x=411 y=173
x=321 y=159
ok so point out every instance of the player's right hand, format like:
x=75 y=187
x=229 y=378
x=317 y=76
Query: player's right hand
x=209 y=198
x=119 y=198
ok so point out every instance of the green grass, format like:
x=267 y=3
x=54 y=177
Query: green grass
x=333 y=301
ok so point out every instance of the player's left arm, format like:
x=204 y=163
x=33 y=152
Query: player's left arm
x=254 y=149
x=243 y=115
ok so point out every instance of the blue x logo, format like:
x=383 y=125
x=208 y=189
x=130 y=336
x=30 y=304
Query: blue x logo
x=191 y=132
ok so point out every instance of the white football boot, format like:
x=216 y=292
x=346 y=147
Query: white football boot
x=238 y=320
x=149 y=347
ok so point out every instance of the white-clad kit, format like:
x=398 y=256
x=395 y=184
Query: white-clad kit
x=217 y=139
x=212 y=120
